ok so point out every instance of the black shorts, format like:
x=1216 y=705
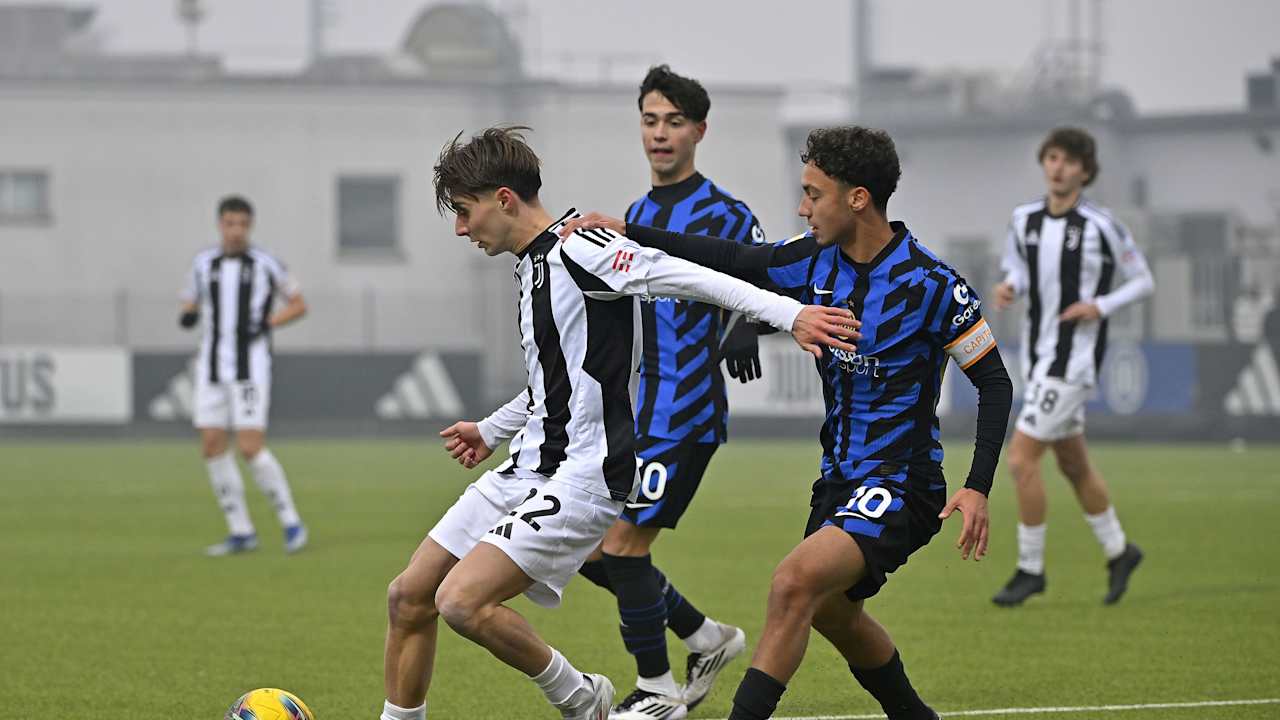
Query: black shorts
x=894 y=516
x=670 y=472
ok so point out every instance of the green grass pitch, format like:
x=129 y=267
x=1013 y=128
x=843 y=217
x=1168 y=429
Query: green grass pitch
x=109 y=610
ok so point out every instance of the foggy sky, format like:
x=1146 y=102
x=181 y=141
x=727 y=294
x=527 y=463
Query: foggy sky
x=1170 y=55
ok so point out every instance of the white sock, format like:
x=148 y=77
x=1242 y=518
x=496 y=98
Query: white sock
x=395 y=712
x=1031 y=548
x=562 y=683
x=270 y=477
x=663 y=684
x=706 y=638
x=228 y=488
x=1106 y=527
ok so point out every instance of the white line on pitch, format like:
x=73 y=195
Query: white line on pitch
x=1048 y=710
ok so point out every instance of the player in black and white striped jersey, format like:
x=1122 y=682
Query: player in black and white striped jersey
x=528 y=526
x=1064 y=254
x=233 y=287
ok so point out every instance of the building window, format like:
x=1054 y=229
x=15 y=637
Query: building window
x=368 y=215
x=24 y=196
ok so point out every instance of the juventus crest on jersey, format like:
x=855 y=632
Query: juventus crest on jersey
x=235 y=294
x=1057 y=260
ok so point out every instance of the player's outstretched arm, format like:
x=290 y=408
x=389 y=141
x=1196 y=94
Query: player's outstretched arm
x=745 y=262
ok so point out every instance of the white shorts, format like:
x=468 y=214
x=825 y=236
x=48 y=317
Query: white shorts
x=240 y=405
x=1052 y=409
x=547 y=527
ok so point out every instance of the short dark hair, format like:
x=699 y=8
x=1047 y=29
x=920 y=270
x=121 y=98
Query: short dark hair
x=234 y=204
x=1077 y=144
x=856 y=156
x=498 y=157
x=687 y=94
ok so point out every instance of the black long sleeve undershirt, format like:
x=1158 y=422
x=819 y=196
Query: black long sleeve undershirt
x=751 y=263
x=995 y=398
x=745 y=262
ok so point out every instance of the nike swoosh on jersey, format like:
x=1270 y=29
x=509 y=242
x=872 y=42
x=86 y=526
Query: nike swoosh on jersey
x=819 y=291
x=638 y=506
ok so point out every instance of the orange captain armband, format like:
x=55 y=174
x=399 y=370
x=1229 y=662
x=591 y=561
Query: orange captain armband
x=973 y=345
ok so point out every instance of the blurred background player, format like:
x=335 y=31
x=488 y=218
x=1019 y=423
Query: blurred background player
x=681 y=412
x=1063 y=253
x=233 y=287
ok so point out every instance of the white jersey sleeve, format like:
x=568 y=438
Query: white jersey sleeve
x=1137 y=280
x=627 y=268
x=190 y=292
x=503 y=423
x=1014 y=263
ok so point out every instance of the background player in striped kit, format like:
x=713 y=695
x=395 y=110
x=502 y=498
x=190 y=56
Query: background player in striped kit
x=527 y=527
x=881 y=495
x=681 y=412
x=233 y=287
x=1062 y=253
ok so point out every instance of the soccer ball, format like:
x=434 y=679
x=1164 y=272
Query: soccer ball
x=269 y=704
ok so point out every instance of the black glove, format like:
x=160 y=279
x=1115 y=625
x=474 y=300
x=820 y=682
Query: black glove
x=741 y=352
x=188 y=319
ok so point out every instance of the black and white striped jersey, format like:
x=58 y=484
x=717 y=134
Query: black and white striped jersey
x=580 y=332
x=235 y=294
x=1057 y=260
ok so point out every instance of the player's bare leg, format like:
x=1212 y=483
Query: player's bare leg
x=806 y=586
x=1122 y=556
x=412 y=625
x=270 y=477
x=470 y=601
x=1073 y=460
x=871 y=655
x=228 y=489
x=825 y=564
x=1024 y=456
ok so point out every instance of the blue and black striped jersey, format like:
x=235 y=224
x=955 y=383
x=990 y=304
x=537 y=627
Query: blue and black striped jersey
x=681 y=394
x=916 y=313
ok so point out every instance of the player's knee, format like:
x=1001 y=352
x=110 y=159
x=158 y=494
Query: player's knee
x=249 y=448
x=211 y=446
x=408 y=606
x=460 y=612
x=1020 y=464
x=792 y=589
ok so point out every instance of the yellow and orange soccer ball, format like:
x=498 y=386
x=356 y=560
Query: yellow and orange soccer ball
x=269 y=704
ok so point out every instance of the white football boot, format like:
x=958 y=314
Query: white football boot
x=645 y=705
x=701 y=669
x=601 y=700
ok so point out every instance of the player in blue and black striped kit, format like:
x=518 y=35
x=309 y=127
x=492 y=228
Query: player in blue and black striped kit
x=681 y=413
x=881 y=495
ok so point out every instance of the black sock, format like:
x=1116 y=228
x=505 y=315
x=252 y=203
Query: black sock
x=757 y=696
x=643 y=612
x=889 y=685
x=682 y=617
x=595 y=572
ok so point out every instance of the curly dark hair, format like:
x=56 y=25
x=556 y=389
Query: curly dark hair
x=497 y=157
x=686 y=94
x=856 y=156
x=1078 y=144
